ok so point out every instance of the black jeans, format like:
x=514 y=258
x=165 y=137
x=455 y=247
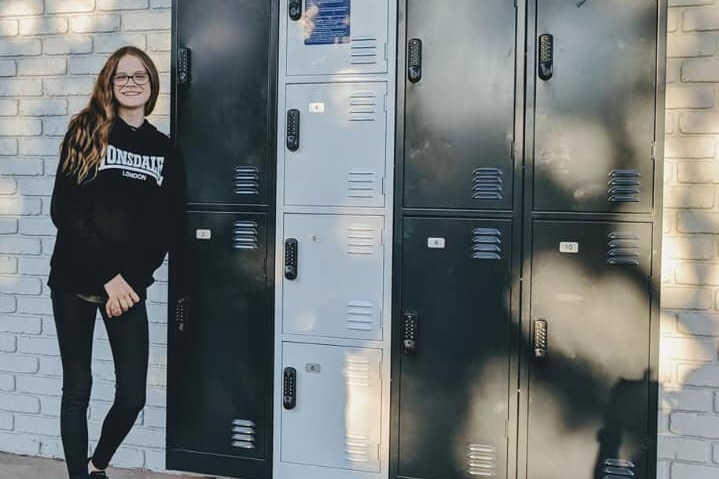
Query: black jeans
x=128 y=335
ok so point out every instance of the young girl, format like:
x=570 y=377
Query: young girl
x=117 y=205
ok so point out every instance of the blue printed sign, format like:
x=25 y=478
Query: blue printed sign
x=327 y=22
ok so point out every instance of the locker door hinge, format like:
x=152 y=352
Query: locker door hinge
x=654 y=150
x=514 y=153
x=381 y=186
x=386 y=101
x=506 y=428
x=385 y=51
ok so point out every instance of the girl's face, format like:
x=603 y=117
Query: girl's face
x=131 y=84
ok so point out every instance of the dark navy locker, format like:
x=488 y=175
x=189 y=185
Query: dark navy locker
x=454 y=356
x=595 y=105
x=221 y=304
x=589 y=360
x=224 y=65
x=220 y=348
x=459 y=110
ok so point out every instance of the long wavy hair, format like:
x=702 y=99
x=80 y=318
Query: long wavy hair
x=88 y=132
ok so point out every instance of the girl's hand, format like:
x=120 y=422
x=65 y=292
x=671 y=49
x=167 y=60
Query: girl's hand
x=121 y=296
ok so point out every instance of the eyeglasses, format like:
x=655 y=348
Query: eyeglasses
x=122 y=79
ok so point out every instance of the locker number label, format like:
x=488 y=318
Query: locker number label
x=203 y=234
x=316 y=107
x=436 y=243
x=569 y=247
x=313 y=368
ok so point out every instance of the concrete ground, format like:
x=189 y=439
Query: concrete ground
x=24 y=467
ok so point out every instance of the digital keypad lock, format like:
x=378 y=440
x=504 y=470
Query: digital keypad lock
x=293 y=130
x=183 y=66
x=409 y=332
x=546 y=56
x=414 y=53
x=291 y=252
x=289 y=388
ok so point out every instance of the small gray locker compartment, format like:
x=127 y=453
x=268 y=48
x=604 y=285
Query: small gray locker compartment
x=338 y=288
x=328 y=37
x=339 y=158
x=335 y=421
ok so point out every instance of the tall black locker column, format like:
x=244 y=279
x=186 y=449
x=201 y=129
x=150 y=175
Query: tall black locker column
x=456 y=254
x=592 y=233
x=220 y=322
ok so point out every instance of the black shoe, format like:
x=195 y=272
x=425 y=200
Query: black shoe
x=99 y=475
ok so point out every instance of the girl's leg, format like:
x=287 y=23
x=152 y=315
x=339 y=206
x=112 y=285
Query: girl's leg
x=128 y=336
x=75 y=322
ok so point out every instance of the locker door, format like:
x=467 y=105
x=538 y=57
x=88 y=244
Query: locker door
x=454 y=384
x=338 y=288
x=341 y=156
x=588 y=395
x=336 y=37
x=220 y=372
x=224 y=112
x=337 y=416
x=595 y=111
x=459 y=115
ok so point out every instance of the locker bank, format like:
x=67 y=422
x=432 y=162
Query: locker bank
x=423 y=238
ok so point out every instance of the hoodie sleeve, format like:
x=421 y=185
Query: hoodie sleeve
x=70 y=214
x=173 y=224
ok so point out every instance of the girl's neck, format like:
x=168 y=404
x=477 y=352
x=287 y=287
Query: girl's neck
x=133 y=117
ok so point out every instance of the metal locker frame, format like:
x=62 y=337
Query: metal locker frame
x=654 y=217
x=513 y=214
x=287 y=470
x=179 y=305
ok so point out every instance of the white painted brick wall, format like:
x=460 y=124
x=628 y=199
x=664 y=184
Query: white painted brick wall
x=50 y=51
x=689 y=409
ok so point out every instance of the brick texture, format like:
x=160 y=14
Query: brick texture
x=689 y=366
x=50 y=53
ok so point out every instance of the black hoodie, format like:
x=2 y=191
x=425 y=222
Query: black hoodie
x=124 y=220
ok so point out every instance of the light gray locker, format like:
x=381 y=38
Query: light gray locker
x=337 y=37
x=341 y=156
x=336 y=419
x=339 y=288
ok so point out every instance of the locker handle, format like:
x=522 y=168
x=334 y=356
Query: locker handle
x=414 y=52
x=289 y=388
x=546 y=56
x=294 y=9
x=183 y=66
x=182 y=313
x=409 y=332
x=293 y=129
x=541 y=332
x=291 y=253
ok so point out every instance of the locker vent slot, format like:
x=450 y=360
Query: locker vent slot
x=360 y=240
x=363 y=50
x=243 y=434
x=357 y=371
x=624 y=186
x=623 y=248
x=363 y=106
x=487 y=184
x=361 y=184
x=357 y=448
x=245 y=235
x=482 y=460
x=486 y=243
x=618 y=469
x=360 y=315
x=247 y=180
